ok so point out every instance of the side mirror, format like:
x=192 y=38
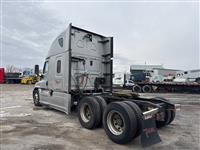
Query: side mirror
x=36 y=70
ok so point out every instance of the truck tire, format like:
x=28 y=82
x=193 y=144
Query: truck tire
x=137 y=89
x=102 y=104
x=172 y=112
x=36 y=98
x=139 y=116
x=147 y=89
x=166 y=120
x=89 y=112
x=119 y=122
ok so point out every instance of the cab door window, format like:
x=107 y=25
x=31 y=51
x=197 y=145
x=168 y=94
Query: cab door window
x=58 y=66
x=46 y=67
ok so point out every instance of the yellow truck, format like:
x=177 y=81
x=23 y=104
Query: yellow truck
x=30 y=79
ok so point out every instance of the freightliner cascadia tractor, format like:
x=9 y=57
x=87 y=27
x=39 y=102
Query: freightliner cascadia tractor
x=78 y=72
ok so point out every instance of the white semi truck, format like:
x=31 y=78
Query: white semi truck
x=121 y=79
x=78 y=74
x=188 y=76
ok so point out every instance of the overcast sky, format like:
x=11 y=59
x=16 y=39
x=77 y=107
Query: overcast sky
x=156 y=33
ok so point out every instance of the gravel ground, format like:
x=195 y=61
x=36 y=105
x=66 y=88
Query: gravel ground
x=25 y=127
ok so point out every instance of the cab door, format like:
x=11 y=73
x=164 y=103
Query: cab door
x=56 y=83
x=59 y=71
x=44 y=90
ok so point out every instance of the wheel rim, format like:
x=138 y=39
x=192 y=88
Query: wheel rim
x=136 y=89
x=147 y=89
x=115 y=122
x=85 y=112
x=36 y=97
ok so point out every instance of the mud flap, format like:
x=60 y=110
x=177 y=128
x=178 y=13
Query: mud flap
x=149 y=134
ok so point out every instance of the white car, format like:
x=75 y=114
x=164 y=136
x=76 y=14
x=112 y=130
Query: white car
x=129 y=83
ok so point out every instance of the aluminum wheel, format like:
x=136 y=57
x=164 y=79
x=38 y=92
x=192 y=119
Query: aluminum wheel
x=85 y=112
x=115 y=122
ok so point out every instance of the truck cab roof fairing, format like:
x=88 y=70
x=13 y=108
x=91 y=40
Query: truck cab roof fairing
x=60 y=44
x=56 y=46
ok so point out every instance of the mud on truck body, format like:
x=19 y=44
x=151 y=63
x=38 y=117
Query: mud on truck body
x=78 y=73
